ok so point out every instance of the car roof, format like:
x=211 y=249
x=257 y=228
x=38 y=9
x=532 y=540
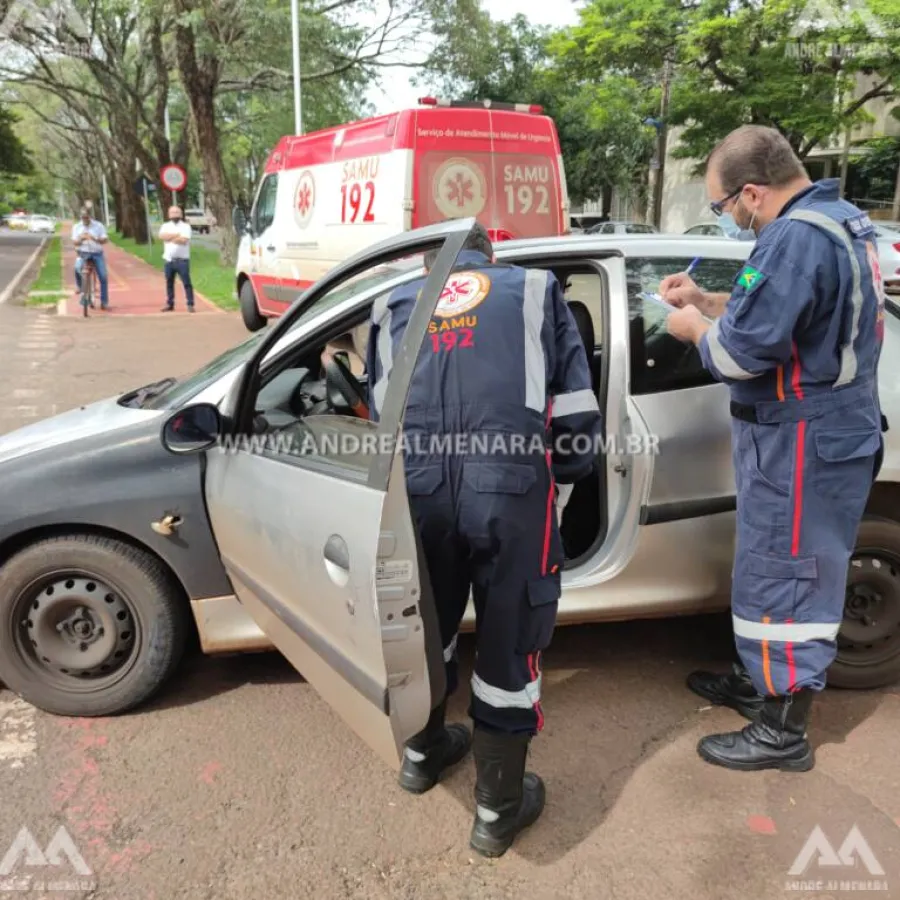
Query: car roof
x=654 y=244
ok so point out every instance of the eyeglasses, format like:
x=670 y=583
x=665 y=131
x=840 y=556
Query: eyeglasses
x=718 y=207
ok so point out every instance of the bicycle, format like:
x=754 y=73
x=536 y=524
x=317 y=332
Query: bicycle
x=88 y=279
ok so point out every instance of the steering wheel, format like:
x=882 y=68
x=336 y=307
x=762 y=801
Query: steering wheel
x=343 y=388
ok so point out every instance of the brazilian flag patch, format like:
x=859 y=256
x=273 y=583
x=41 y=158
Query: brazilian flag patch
x=750 y=279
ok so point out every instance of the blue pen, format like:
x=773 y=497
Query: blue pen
x=693 y=265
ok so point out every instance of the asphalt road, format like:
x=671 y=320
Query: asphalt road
x=238 y=782
x=15 y=249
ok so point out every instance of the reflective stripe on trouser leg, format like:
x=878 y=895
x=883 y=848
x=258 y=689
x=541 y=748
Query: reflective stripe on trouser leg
x=516 y=585
x=796 y=526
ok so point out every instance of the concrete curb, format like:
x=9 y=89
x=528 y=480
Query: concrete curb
x=14 y=284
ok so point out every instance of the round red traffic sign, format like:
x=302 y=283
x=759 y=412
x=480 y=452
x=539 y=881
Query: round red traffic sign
x=173 y=177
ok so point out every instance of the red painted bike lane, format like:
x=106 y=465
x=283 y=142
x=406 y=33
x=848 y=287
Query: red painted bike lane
x=135 y=287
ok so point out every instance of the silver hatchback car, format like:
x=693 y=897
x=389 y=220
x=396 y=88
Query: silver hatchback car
x=255 y=503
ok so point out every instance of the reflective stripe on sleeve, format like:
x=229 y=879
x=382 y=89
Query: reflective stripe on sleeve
x=574 y=402
x=533 y=314
x=848 y=353
x=795 y=633
x=722 y=359
x=500 y=699
x=381 y=316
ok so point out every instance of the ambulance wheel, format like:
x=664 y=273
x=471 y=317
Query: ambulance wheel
x=249 y=310
x=869 y=641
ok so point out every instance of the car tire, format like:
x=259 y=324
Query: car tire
x=89 y=625
x=250 y=313
x=869 y=642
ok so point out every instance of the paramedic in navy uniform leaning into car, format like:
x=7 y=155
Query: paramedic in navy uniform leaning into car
x=504 y=360
x=798 y=344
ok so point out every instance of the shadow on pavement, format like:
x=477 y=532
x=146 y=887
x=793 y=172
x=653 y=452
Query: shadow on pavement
x=202 y=677
x=597 y=732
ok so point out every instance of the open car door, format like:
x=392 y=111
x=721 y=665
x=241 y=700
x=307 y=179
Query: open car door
x=315 y=530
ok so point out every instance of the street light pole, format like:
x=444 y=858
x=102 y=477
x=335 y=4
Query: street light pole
x=169 y=142
x=295 y=40
x=662 y=145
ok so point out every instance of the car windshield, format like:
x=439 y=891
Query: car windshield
x=182 y=391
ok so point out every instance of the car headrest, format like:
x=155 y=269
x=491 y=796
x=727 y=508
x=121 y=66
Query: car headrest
x=585 y=326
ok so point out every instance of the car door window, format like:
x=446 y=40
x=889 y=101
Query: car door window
x=660 y=362
x=264 y=214
x=297 y=423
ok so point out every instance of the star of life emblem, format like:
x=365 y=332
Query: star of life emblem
x=462 y=293
x=459 y=190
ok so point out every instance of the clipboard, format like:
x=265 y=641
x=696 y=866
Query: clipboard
x=657 y=300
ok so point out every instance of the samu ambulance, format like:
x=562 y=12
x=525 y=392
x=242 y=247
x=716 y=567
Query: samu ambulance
x=326 y=195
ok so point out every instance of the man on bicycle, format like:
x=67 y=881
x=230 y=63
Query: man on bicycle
x=88 y=236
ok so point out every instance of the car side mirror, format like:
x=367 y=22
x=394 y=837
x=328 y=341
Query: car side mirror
x=192 y=429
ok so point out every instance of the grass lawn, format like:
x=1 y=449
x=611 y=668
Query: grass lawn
x=209 y=276
x=49 y=284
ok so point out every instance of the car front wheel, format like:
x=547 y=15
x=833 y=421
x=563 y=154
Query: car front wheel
x=869 y=641
x=89 y=626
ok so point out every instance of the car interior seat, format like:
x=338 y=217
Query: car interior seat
x=585 y=325
x=583 y=516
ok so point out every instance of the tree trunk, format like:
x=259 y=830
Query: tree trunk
x=131 y=220
x=607 y=200
x=200 y=80
x=895 y=206
x=117 y=205
x=215 y=182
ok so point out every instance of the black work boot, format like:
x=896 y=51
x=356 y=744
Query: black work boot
x=432 y=751
x=508 y=799
x=776 y=740
x=734 y=690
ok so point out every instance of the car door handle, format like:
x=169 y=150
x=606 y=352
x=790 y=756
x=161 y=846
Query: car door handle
x=336 y=552
x=337 y=564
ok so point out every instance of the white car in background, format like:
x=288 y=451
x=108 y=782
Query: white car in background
x=889 y=254
x=41 y=224
x=198 y=220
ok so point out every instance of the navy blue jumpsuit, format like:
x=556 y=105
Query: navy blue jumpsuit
x=798 y=346
x=500 y=407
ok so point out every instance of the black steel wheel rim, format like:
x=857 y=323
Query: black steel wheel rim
x=76 y=631
x=870 y=631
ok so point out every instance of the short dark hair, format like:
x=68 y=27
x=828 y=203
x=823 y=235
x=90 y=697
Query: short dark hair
x=754 y=154
x=478 y=240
